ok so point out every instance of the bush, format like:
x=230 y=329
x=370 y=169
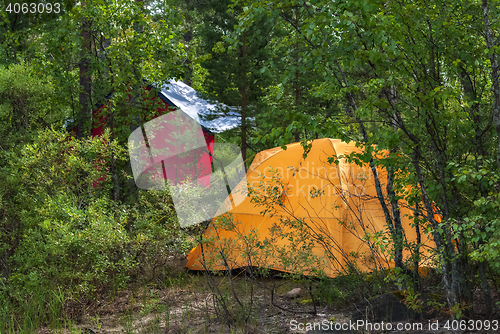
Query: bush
x=62 y=235
x=27 y=102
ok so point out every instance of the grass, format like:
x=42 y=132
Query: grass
x=41 y=307
x=127 y=322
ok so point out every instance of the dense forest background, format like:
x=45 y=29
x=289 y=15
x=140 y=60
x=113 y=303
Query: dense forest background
x=417 y=78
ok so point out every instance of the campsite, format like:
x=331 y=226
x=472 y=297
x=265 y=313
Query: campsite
x=257 y=166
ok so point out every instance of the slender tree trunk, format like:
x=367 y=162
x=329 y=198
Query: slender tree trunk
x=297 y=84
x=188 y=37
x=416 y=276
x=351 y=110
x=244 y=99
x=398 y=231
x=470 y=93
x=105 y=44
x=85 y=117
x=445 y=260
x=478 y=135
x=494 y=76
x=485 y=286
x=114 y=172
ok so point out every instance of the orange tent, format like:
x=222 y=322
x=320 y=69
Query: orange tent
x=319 y=215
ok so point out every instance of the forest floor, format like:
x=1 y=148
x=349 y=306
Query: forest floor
x=190 y=310
x=185 y=304
x=187 y=307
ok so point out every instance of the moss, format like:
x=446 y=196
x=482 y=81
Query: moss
x=306 y=301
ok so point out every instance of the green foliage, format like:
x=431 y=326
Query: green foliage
x=62 y=235
x=27 y=103
x=134 y=42
x=413 y=78
x=480 y=227
x=19 y=28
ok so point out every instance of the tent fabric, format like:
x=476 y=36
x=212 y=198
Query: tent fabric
x=347 y=210
x=176 y=151
x=187 y=99
x=164 y=106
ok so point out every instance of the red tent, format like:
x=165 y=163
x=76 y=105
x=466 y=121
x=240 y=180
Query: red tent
x=164 y=106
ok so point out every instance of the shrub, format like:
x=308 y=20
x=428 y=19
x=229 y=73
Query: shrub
x=62 y=235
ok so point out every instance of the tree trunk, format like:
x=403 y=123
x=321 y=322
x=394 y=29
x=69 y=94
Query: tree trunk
x=398 y=231
x=447 y=258
x=188 y=37
x=351 y=110
x=494 y=76
x=417 y=286
x=244 y=99
x=297 y=84
x=114 y=172
x=470 y=92
x=85 y=117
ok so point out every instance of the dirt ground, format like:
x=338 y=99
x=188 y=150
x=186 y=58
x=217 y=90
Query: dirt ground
x=183 y=302
x=189 y=309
